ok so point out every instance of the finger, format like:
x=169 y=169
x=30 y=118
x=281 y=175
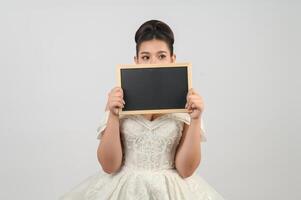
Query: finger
x=194 y=96
x=191 y=91
x=117 y=94
x=187 y=103
x=193 y=105
x=188 y=96
x=193 y=101
x=119 y=100
x=198 y=106
x=117 y=89
x=117 y=104
x=197 y=102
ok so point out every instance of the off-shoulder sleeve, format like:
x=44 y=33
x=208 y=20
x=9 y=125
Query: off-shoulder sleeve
x=185 y=117
x=103 y=124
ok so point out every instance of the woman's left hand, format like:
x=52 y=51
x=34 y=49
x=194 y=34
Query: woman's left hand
x=195 y=104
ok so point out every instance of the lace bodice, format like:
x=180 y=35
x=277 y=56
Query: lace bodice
x=150 y=145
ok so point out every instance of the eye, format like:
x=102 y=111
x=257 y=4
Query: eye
x=145 y=57
x=162 y=56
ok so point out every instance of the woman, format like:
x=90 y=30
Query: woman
x=149 y=156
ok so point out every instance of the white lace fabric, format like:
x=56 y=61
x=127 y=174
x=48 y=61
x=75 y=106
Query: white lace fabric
x=150 y=144
x=148 y=171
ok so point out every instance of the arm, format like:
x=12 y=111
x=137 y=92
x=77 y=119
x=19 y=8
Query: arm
x=109 y=152
x=188 y=155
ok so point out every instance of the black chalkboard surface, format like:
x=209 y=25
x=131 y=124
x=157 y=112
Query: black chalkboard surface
x=150 y=88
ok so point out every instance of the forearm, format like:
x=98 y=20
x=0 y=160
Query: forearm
x=188 y=156
x=109 y=151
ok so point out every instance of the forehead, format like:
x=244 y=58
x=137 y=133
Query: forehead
x=153 y=46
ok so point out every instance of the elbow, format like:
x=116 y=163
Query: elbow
x=186 y=171
x=107 y=170
x=108 y=163
x=110 y=170
x=109 y=166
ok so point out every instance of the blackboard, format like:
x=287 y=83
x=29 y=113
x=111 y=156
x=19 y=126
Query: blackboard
x=151 y=88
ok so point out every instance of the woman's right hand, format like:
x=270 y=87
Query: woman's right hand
x=115 y=100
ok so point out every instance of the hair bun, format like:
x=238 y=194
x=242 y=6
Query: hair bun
x=154 y=28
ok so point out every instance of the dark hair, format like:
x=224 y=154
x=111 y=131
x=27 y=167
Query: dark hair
x=154 y=29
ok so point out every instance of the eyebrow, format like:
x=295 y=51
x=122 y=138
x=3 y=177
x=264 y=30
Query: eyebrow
x=145 y=52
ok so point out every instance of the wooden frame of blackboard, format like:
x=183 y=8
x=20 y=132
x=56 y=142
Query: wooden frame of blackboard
x=135 y=66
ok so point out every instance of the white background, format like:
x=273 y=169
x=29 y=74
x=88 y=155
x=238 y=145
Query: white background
x=58 y=61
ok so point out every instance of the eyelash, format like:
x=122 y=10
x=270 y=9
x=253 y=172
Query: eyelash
x=143 y=57
x=162 y=56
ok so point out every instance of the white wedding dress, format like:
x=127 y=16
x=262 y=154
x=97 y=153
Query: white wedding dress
x=148 y=171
